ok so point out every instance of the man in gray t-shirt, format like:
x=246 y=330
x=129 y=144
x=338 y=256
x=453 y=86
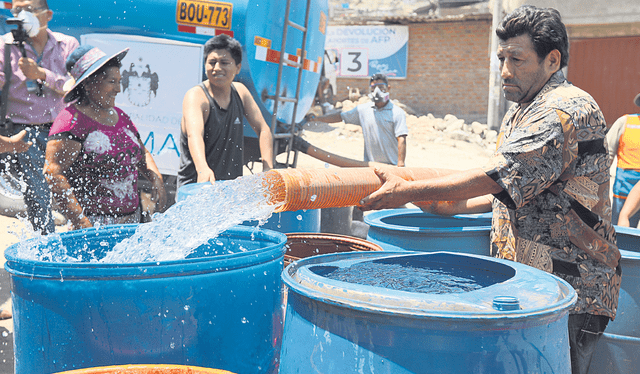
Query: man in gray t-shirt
x=384 y=125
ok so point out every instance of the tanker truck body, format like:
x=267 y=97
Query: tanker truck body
x=283 y=48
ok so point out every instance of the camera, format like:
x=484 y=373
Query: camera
x=20 y=37
x=20 y=34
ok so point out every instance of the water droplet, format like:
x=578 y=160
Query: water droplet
x=186 y=307
x=313 y=197
x=245 y=320
x=299 y=217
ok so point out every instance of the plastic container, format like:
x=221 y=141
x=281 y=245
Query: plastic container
x=414 y=230
x=147 y=369
x=211 y=310
x=303 y=245
x=304 y=220
x=339 y=326
x=618 y=350
x=628 y=238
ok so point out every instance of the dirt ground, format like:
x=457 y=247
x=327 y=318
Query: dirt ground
x=422 y=151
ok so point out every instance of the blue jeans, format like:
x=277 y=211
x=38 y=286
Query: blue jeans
x=38 y=195
x=584 y=332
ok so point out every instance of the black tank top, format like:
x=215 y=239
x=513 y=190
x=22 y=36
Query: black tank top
x=223 y=141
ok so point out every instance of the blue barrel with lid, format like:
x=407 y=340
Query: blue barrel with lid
x=219 y=308
x=408 y=312
x=414 y=230
x=618 y=350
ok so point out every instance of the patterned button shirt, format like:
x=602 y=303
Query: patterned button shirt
x=554 y=212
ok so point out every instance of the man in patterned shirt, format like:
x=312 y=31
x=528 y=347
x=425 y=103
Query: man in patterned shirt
x=547 y=183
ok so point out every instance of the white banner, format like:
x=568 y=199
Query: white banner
x=366 y=50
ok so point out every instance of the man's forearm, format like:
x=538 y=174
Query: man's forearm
x=402 y=150
x=459 y=185
x=196 y=149
x=266 y=148
x=328 y=118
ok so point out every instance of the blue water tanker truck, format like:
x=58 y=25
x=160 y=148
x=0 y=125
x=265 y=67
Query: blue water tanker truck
x=283 y=50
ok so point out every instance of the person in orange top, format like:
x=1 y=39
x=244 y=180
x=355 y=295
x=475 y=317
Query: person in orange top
x=623 y=141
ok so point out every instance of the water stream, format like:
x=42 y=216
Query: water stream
x=174 y=234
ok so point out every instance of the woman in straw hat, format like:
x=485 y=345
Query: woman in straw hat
x=95 y=153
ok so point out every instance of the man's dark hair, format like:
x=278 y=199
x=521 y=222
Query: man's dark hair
x=224 y=41
x=543 y=25
x=379 y=77
x=43 y=4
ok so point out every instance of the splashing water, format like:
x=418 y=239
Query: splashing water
x=194 y=221
x=37 y=247
x=174 y=234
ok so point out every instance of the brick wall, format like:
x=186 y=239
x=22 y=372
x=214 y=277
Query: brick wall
x=447 y=71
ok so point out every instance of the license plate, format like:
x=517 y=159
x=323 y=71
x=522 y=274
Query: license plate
x=204 y=13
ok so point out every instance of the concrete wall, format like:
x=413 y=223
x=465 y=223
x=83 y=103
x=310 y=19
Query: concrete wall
x=447 y=72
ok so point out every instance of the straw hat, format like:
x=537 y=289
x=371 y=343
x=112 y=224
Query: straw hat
x=637 y=100
x=82 y=63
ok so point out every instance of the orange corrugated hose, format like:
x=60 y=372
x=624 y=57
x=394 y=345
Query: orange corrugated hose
x=298 y=189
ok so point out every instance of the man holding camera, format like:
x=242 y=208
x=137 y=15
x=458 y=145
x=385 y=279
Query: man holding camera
x=35 y=81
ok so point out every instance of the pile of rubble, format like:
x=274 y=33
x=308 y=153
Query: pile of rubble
x=449 y=130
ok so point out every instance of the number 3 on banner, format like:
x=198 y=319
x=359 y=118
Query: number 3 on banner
x=354 y=62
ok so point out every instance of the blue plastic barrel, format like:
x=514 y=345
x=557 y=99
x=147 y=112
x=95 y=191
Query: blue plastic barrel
x=618 y=350
x=307 y=220
x=514 y=321
x=414 y=230
x=628 y=238
x=210 y=310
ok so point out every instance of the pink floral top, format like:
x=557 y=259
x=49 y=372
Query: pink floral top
x=104 y=176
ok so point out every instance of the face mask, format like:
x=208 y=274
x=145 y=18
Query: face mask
x=30 y=23
x=378 y=96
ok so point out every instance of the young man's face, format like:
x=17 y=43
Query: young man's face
x=523 y=72
x=381 y=97
x=221 y=68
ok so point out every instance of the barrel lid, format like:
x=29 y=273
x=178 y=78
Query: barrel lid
x=415 y=220
x=627 y=238
x=502 y=288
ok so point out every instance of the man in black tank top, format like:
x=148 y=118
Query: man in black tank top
x=211 y=136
